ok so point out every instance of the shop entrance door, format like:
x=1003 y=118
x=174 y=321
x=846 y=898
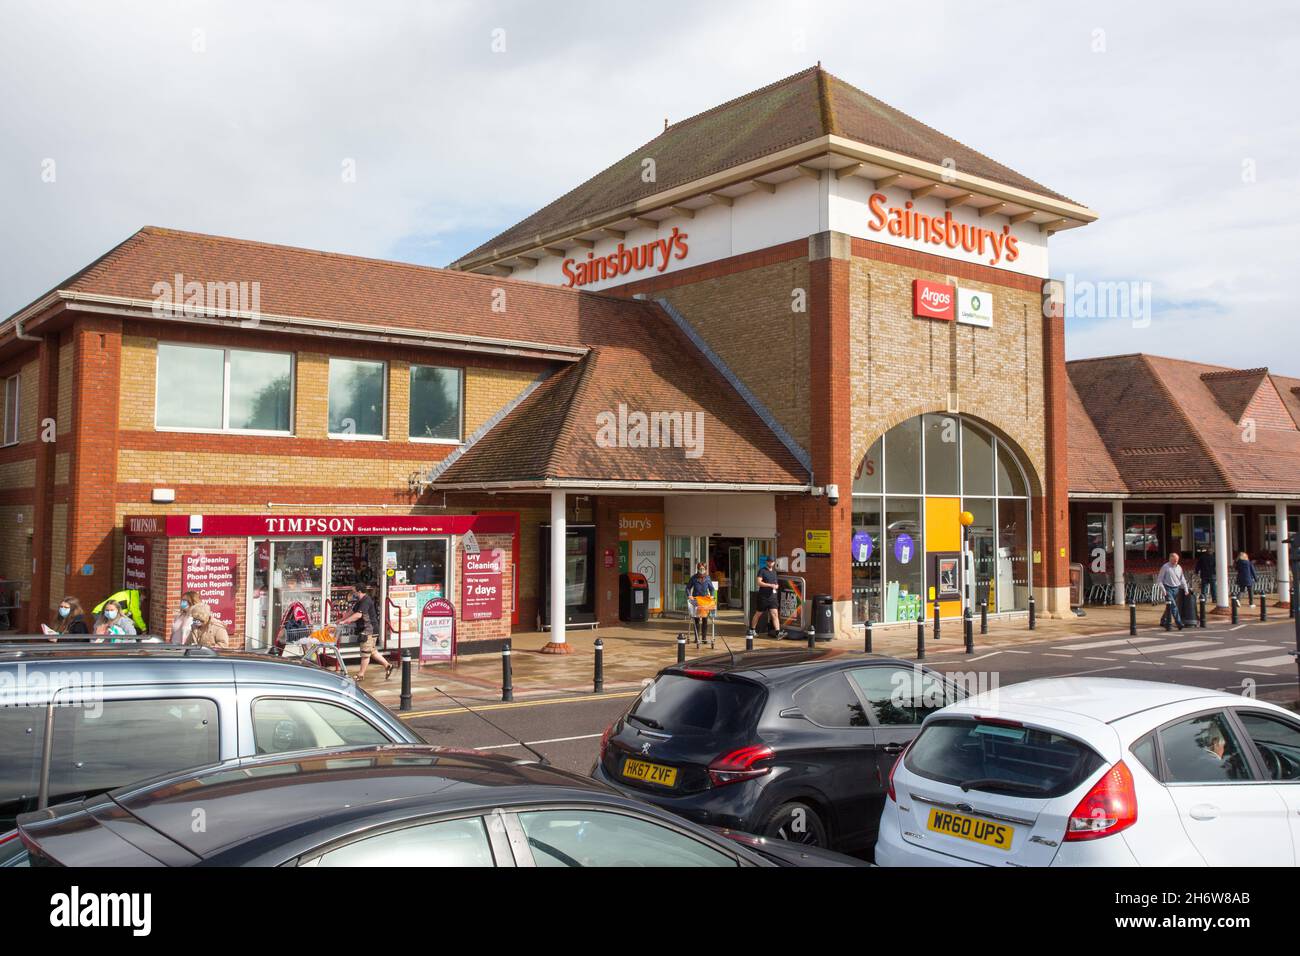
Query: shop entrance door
x=287 y=572
x=416 y=570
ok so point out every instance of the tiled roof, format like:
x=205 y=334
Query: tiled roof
x=636 y=355
x=789 y=112
x=1170 y=426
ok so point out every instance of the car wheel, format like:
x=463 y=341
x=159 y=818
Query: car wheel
x=796 y=823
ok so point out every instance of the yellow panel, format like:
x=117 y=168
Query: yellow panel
x=942 y=524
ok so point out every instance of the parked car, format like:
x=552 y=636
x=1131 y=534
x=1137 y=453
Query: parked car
x=392 y=805
x=1097 y=772
x=786 y=743
x=127 y=712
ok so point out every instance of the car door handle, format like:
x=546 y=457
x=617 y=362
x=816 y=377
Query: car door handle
x=1204 y=811
x=893 y=748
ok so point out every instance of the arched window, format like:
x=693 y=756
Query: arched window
x=907 y=493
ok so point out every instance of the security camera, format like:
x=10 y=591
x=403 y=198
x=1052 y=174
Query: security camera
x=833 y=494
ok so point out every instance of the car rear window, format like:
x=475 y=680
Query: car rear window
x=997 y=757
x=684 y=705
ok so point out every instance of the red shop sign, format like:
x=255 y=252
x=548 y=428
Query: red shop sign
x=306 y=526
x=213 y=577
x=480 y=585
x=933 y=300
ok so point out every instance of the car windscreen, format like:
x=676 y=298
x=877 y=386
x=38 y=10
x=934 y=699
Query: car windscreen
x=1001 y=757
x=689 y=705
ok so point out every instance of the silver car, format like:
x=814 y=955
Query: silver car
x=76 y=721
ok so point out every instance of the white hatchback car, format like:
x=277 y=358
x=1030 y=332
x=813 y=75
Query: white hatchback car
x=1097 y=772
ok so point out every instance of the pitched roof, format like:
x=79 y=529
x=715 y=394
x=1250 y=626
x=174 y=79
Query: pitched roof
x=1170 y=426
x=798 y=109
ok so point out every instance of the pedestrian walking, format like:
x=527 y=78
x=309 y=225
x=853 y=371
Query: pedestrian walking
x=113 y=623
x=1208 y=571
x=184 y=619
x=69 y=619
x=366 y=616
x=768 y=586
x=1172 y=579
x=206 y=630
x=1246 y=576
x=700 y=596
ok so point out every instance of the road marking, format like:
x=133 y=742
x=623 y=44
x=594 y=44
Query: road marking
x=1270 y=661
x=1095 y=670
x=1164 y=648
x=1050 y=654
x=1201 y=667
x=1222 y=652
x=1238 y=627
x=1107 y=659
x=983 y=656
x=516 y=704
x=534 y=743
x=1094 y=644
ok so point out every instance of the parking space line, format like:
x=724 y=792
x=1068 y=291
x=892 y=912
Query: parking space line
x=534 y=743
x=1164 y=648
x=1270 y=661
x=1221 y=652
x=1114 y=643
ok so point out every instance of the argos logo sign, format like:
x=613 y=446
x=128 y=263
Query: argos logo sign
x=933 y=300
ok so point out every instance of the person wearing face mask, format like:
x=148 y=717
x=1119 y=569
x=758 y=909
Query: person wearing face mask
x=113 y=623
x=207 y=630
x=70 y=619
x=184 y=620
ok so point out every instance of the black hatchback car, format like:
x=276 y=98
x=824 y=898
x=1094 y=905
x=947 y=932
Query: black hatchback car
x=390 y=805
x=795 y=744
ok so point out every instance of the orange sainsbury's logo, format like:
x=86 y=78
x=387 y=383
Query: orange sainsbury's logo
x=907 y=223
x=656 y=254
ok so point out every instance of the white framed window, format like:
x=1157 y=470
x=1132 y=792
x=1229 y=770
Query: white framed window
x=358 y=398
x=210 y=389
x=11 y=411
x=436 y=409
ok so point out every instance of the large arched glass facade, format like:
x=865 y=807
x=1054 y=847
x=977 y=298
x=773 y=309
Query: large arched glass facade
x=907 y=495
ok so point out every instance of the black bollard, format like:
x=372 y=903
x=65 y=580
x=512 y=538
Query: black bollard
x=1033 y=621
x=936 y=620
x=868 y=639
x=1235 y=608
x=681 y=648
x=749 y=640
x=405 y=700
x=920 y=637
x=1132 y=619
x=812 y=637
x=1263 y=606
x=598 y=682
x=984 y=617
x=1168 y=619
x=970 y=632
x=1200 y=612
x=507 y=685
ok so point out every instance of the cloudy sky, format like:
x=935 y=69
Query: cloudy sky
x=237 y=118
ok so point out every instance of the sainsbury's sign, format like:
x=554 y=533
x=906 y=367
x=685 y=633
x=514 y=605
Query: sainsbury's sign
x=656 y=254
x=905 y=222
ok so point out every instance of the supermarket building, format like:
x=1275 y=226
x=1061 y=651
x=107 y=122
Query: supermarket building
x=801 y=324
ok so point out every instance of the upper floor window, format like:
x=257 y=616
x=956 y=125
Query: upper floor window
x=357 y=398
x=11 y=410
x=212 y=389
x=435 y=404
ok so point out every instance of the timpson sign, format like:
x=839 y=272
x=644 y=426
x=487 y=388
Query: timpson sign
x=188 y=526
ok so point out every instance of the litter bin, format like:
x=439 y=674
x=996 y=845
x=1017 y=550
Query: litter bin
x=823 y=616
x=633 y=597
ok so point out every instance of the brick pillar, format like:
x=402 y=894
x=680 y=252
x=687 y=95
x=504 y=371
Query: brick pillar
x=830 y=427
x=1054 y=510
x=96 y=369
x=604 y=509
x=47 y=398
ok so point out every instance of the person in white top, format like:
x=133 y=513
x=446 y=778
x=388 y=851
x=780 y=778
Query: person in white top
x=1172 y=579
x=183 y=623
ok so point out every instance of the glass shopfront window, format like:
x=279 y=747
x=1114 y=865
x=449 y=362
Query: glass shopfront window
x=1097 y=529
x=1143 y=535
x=356 y=398
x=210 y=389
x=937 y=456
x=435 y=404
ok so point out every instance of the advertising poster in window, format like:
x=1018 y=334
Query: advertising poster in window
x=213 y=576
x=481 y=581
x=437 y=631
x=640 y=547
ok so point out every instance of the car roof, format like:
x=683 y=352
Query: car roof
x=241 y=800
x=1101 y=699
x=776 y=664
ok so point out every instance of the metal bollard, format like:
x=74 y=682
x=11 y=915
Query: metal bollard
x=984 y=617
x=1132 y=619
x=598 y=682
x=970 y=632
x=936 y=620
x=1263 y=607
x=812 y=637
x=1236 y=605
x=1033 y=621
x=920 y=637
x=681 y=648
x=868 y=644
x=507 y=684
x=1200 y=611
x=405 y=700
x=749 y=640
x=1169 y=616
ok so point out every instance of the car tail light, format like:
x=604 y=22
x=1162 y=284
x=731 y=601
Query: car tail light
x=604 y=740
x=1109 y=807
x=739 y=765
x=892 y=770
x=699 y=673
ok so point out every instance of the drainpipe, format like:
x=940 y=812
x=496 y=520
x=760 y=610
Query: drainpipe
x=24 y=336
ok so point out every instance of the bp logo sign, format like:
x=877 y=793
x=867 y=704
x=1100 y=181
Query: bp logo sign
x=974 y=308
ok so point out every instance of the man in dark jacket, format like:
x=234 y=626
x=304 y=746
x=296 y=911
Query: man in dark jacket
x=1246 y=576
x=1208 y=572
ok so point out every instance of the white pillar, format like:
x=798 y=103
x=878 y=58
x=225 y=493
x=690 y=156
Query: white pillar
x=1221 y=546
x=559 y=604
x=1283 y=553
x=1117 y=547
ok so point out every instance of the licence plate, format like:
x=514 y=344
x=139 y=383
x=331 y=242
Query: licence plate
x=996 y=835
x=650 y=772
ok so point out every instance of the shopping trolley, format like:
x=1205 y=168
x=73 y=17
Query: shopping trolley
x=704 y=614
x=321 y=647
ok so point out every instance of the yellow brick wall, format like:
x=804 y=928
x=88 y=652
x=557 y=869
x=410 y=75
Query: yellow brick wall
x=487 y=390
x=139 y=375
x=63 y=413
x=28 y=405
x=58 y=551
x=15 y=547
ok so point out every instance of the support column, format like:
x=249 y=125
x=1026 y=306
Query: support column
x=1054 y=587
x=1117 y=546
x=47 y=398
x=558 y=609
x=1221 y=546
x=1283 y=557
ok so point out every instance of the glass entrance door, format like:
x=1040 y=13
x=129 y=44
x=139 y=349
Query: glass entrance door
x=416 y=570
x=297 y=575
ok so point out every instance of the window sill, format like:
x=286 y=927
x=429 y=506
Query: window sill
x=173 y=430
x=435 y=441
x=358 y=437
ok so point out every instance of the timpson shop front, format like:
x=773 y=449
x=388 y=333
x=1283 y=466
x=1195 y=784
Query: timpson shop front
x=801 y=325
